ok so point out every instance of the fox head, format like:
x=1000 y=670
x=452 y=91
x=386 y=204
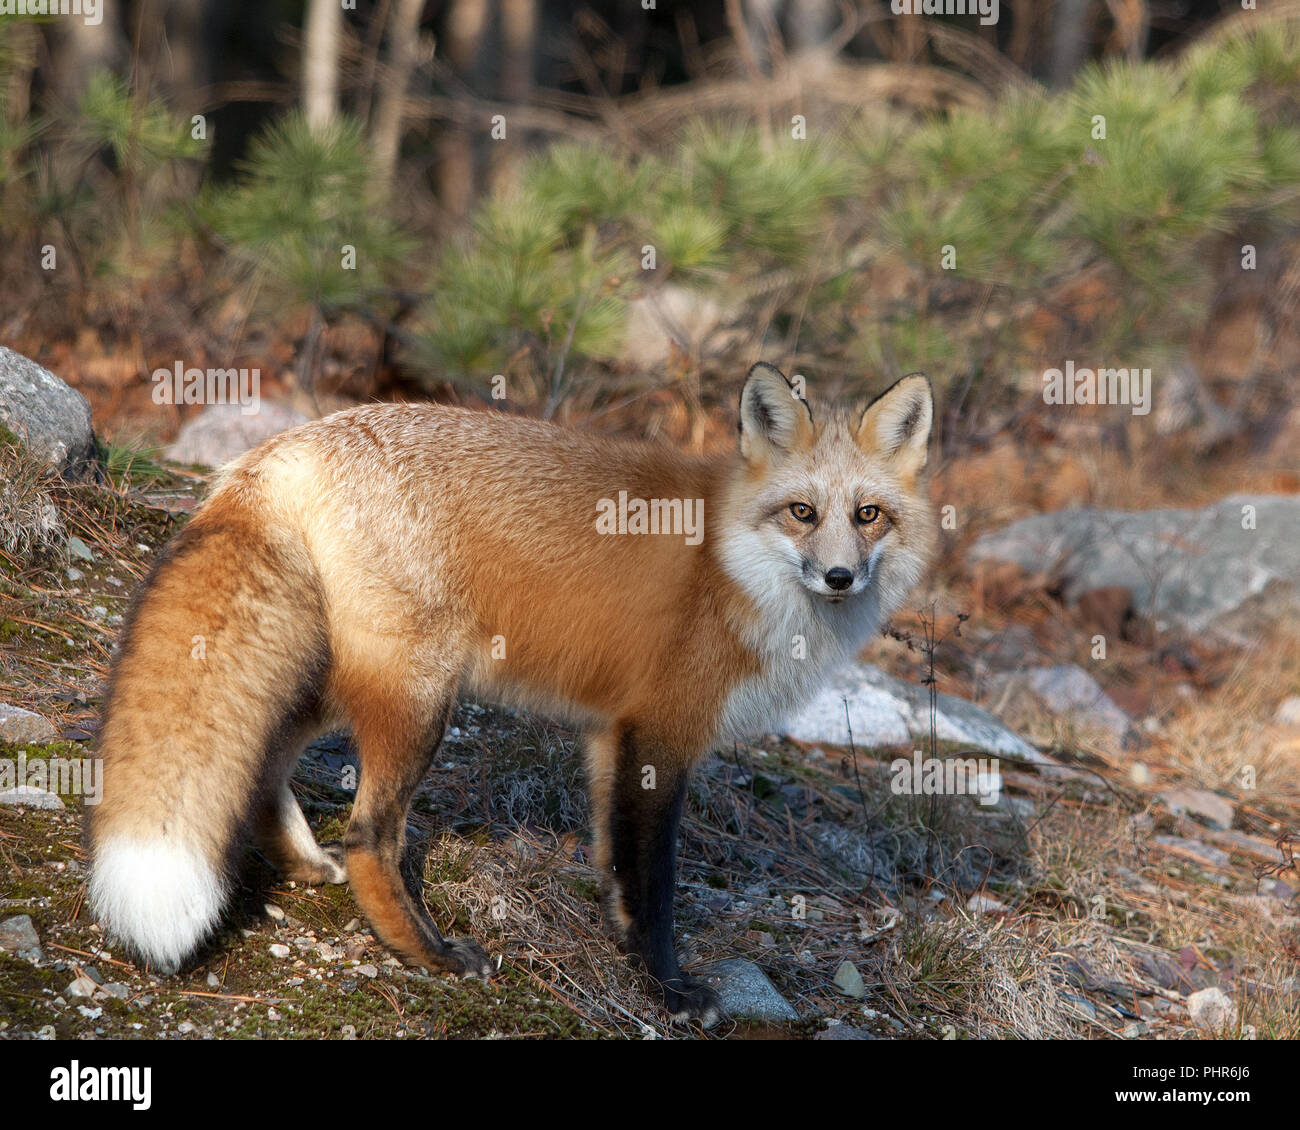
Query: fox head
x=833 y=501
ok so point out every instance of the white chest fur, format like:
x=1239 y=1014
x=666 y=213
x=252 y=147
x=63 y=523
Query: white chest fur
x=800 y=640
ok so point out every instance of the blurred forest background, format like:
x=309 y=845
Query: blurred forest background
x=616 y=209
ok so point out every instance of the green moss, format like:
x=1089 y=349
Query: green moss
x=25 y=887
x=585 y=888
x=24 y=1003
x=41 y=750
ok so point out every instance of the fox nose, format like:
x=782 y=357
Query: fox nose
x=839 y=579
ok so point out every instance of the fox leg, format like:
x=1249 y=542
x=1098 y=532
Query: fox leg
x=286 y=839
x=638 y=787
x=398 y=730
x=282 y=831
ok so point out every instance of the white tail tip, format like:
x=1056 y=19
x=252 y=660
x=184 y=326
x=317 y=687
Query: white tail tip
x=160 y=897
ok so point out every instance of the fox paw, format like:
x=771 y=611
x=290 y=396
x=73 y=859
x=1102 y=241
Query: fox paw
x=690 y=998
x=465 y=958
x=336 y=858
x=328 y=866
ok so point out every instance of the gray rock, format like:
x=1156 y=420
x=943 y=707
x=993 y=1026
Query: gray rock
x=78 y=548
x=18 y=936
x=28 y=796
x=849 y=981
x=222 y=432
x=1064 y=690
x=1195 y=570
x=1217 y=810
x=885 y=711
x=747 y=993
x=853 y=852
x=1211 y=1008
x=1288 y=711
x=116 y=989
x=844 y=1032
x=1010 y=649
x=23 y=727
x=888 y=857
x=81 y=987
x=51 y=419
x=1206 y=855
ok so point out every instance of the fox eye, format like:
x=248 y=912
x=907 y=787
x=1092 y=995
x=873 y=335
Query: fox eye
x=868 y=514
x=803 y=511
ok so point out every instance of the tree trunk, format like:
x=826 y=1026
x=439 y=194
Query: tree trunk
x=811 y=23
x=82 y=49
x=320 y=63
x=1069 y=40
x=184 y=65
x=518 y=43
x=404 y=29
x=466 y=25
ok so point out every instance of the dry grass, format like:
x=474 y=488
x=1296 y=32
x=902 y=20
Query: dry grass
x=30 y=523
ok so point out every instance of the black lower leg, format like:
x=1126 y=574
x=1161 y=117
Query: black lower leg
x=645 y=815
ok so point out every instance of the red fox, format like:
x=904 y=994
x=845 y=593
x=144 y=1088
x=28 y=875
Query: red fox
x=364 y=569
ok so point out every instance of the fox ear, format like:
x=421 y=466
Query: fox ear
x=773 y=417
x=897 y=423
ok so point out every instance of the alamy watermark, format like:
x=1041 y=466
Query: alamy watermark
x=1073 y=385
x=91 y=11
x=987 y=10
x=87 y=1083
x=979 y=777
x=69 y=776
x=179 y=385
x=683 y=517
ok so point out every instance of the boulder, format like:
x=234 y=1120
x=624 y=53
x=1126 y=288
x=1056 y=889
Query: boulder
x=1225 y=569
x=29 y=796
x=746 y=992
x=48 y=417
x=18 y=936
x=885 y=711
x=23 y=727
x=1064 y=691
x=1215 y=810
x=1212 y=1009
x=222 y=432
